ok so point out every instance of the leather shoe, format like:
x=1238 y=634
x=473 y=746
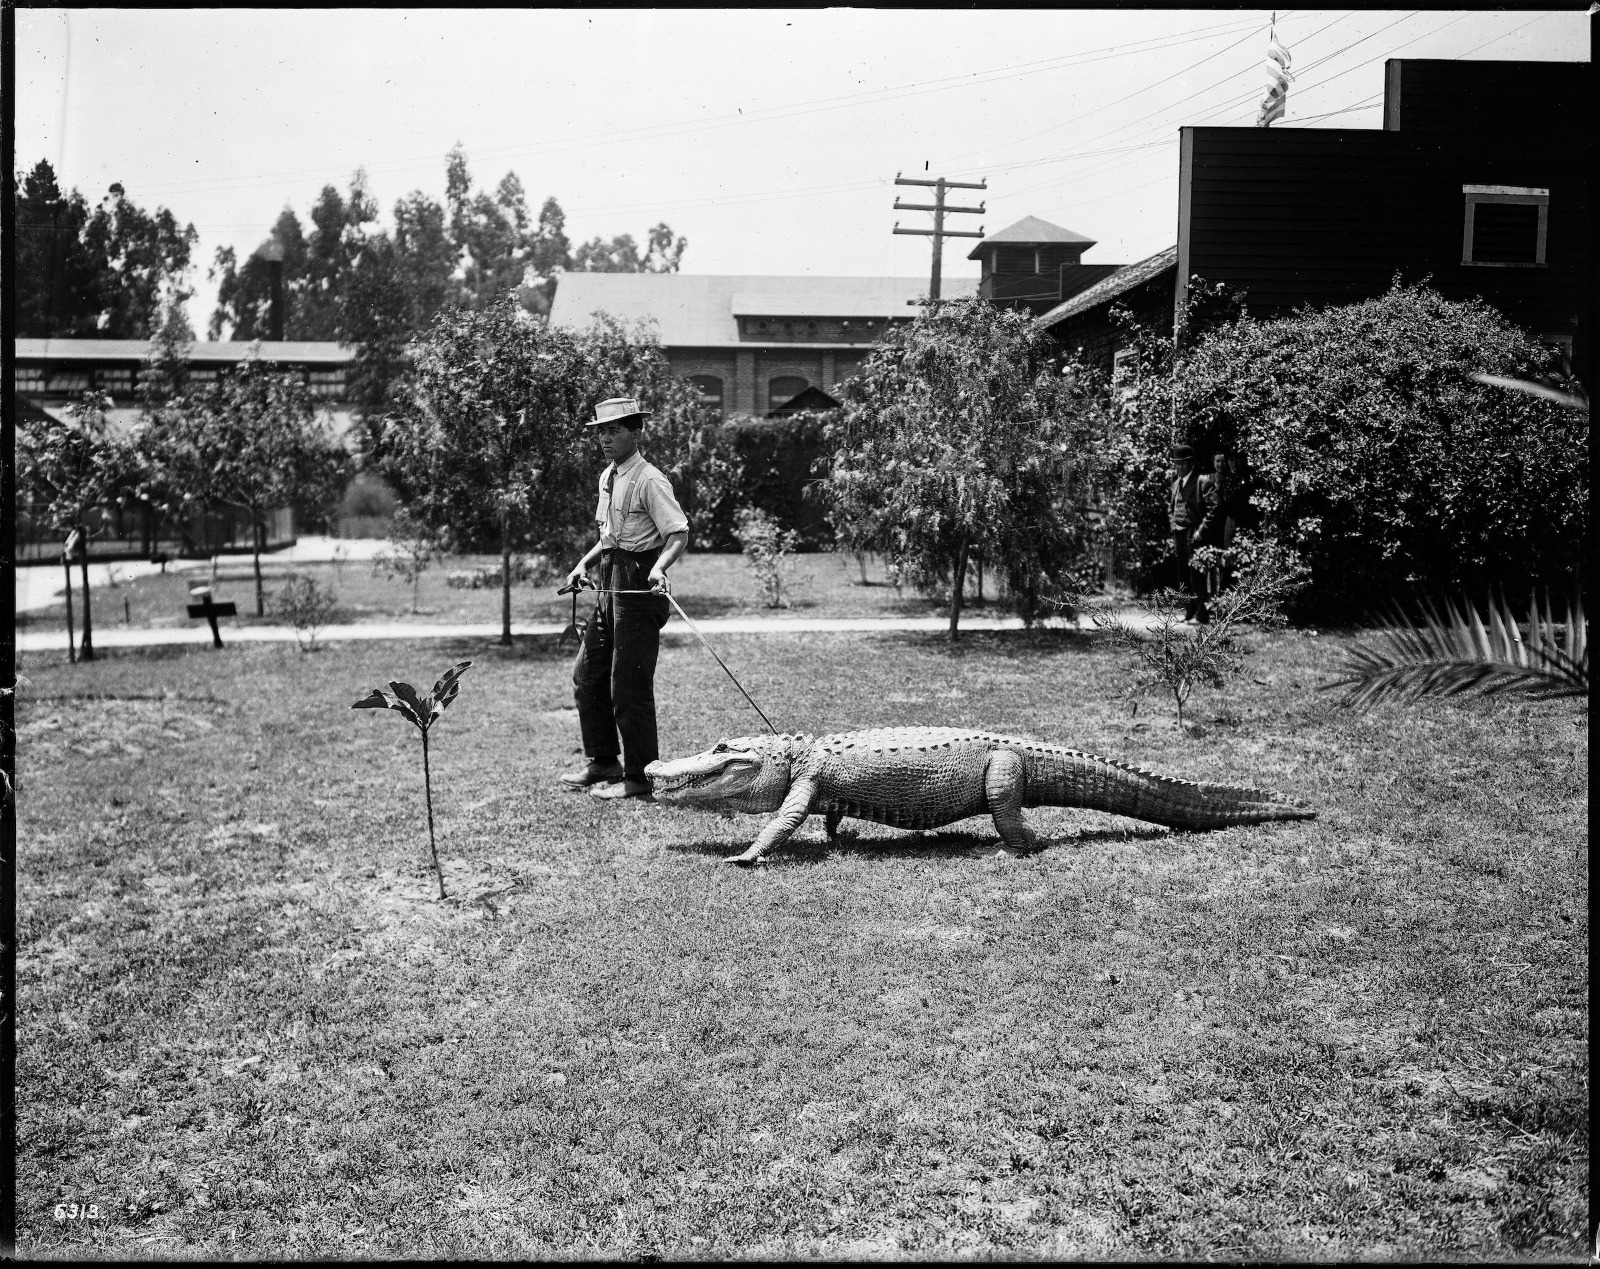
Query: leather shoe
x=623 y=789
x=594 y=773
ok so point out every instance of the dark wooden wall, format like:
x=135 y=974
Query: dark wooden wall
x=1329 y=216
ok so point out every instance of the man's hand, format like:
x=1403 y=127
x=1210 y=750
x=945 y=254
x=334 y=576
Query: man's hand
x=659 y=583
x=578 y=578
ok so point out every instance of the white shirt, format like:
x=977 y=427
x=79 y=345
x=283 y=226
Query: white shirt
x=638 y=511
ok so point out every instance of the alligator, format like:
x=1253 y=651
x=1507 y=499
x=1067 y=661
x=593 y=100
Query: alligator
x=923 y=777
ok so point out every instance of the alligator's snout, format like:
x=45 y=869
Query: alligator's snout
x=708 y=777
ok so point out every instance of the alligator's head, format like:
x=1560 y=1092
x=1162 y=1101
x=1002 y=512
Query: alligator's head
x=747 y=773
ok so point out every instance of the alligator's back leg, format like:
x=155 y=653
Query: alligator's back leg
x=1004 y=783
x=796 y=806
x=831 y=823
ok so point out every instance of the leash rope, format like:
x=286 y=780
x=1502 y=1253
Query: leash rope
x=701 y=636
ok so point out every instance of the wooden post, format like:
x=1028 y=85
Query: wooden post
x=66 y=567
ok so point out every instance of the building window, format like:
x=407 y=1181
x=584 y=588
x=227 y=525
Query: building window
x=710 y=389
x=327 y=383
x=29 y=379
x=118 y=382
x=1505 y=226
x=67 y=381
x=783 y=389
x=1011 y=260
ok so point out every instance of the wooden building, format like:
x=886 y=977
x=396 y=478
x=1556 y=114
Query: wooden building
x=752 y=344
x=1035 y=265
x=1478 y=181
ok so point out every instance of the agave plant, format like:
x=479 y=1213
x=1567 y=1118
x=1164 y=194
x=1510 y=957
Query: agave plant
x=421 y=712
x=1460 y=652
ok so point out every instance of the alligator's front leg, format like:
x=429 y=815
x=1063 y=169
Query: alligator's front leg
x=796 y=806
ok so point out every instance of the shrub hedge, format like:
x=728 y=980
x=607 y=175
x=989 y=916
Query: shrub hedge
x=1376 y=456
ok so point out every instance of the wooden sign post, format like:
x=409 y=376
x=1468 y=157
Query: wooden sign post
x=210 y=610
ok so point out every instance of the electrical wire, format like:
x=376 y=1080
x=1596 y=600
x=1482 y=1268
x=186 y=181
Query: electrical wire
x=765 y=115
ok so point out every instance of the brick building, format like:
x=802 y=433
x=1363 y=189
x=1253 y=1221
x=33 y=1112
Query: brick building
x=752 y=343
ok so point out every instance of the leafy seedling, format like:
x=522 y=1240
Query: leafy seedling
x=421 y=712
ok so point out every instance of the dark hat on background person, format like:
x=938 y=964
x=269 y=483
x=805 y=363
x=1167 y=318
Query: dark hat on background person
x=1181 y=452
x=623 y=410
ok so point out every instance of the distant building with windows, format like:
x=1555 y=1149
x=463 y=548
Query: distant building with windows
x=1478 y=182
x=753 y=343
x=51 y=374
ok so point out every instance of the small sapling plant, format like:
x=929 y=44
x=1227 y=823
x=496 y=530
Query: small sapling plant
x=421 y=712
x=1170 y=660
x=767 y=550
x=307 y=607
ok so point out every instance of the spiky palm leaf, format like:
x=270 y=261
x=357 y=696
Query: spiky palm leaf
x=1458 y=652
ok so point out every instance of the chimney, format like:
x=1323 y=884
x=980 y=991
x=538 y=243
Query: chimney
x=272 y=252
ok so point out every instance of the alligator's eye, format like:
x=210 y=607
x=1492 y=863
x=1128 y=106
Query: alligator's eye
x=722 y=747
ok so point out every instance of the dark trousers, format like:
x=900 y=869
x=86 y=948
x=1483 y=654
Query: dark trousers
x=1191 y=581
x=614 y=677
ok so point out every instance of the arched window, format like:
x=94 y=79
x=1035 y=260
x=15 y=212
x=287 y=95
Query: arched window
x=710 y=389
x=784 y=389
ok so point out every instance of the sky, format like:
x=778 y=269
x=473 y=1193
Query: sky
x=769 y=138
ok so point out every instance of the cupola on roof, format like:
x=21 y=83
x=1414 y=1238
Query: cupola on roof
x=1030 y=231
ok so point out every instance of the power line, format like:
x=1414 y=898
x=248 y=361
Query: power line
x=1161 y=110
x=1254 y=29
x=765 y=115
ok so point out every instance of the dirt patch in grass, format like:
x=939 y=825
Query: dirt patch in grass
x=246 y=1030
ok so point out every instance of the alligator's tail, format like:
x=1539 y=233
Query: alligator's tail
x=1066 y=777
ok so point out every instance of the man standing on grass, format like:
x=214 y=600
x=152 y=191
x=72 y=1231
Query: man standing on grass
x=642 y=533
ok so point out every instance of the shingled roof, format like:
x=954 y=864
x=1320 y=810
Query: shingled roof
x=1118 y=283
x=1030 y=231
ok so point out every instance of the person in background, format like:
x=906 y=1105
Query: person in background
x=1185 y=511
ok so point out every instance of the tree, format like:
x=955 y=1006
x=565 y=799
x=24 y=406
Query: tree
x=486 y=430
x=396 y=285
x=250 y=439
x=957 y=435
x=105 y=274
x=316 y=270
x=144 y=262
x=621 y=254
x=72 y=468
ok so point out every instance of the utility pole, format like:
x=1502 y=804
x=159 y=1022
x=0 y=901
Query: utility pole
x=938 y=233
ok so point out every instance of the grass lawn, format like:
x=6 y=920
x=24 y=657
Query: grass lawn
x=820 y=585
x=245 y=1030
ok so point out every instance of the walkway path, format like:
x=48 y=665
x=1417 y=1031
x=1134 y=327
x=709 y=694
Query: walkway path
x=40 y=587
x=200 y=633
